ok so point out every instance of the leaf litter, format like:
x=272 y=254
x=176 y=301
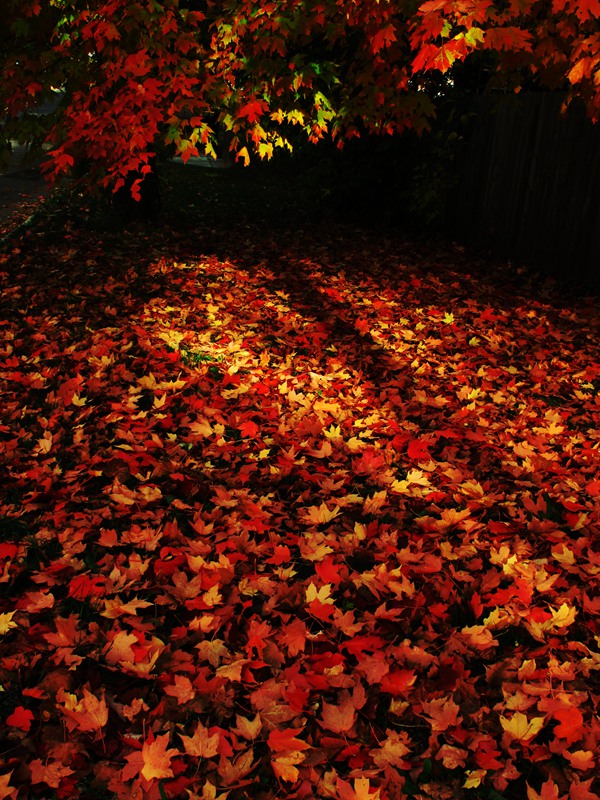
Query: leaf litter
x=319 y=519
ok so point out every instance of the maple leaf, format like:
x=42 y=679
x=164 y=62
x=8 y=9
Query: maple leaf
x=249 y=428
x=321 y=595
x=294 y=636
x=521 y=728
x=248 y=728
x=318 y=515
x=7 y=622
x=231 y=772
x=88 y=714
x=202 y=744
x=120 y=649
x=253 y=109
x=373 y=504
x=51 y=774
x=418 y=449
x=5 y=789
x=340 y=718
x=581 y=759
x=287 y=749
x=392 y=751
x=361 y=790
x=398 y=681
x=570 y=725
x=281 y=740
x=549 y=791
x=182 y=689
x=152 y=762
x=452 y=757
x=383 y=38
x=443 y=713
x=479 y=636
x=580 y=790
x=20 y=718
x=115 y=608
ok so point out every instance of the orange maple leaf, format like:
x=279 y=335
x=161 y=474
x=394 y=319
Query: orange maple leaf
x=392 y=751
x=50 y=774
x=202 y=744
x=339 y=719
x=153 y=761
x=580 y=759
x=549 y=791
x=182 y=689
x=157 y=758
x=5 y=789
x=361 y=790
x=287 y=749
x=443 y=713
x=317 y=515
x=121 y=648
x=88 y=714
x=233 y=771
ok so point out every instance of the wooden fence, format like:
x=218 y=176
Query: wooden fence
x=530 y=186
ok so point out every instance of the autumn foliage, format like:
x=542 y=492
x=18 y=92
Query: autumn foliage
x=319 y=519
x=141 y=78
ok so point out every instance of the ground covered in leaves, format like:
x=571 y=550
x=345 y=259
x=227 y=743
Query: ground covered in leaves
x=296 y=512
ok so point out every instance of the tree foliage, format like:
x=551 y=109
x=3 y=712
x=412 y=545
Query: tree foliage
x=139 y=77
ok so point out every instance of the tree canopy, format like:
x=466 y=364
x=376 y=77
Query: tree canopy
x=136 y=77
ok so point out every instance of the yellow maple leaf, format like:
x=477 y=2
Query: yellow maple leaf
x=322 y=594
x=244 y=154
x=474 y=778
x=248 y=728
x=115 y=607
x=561 y=617
x=212 y=596
x=318 y=515
x=333 y=432
x=521 y=728
x=373 y=503
x=201 y=427
x=6 y=622
x=147 y=381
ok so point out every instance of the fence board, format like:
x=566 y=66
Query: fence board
x=530 y=186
